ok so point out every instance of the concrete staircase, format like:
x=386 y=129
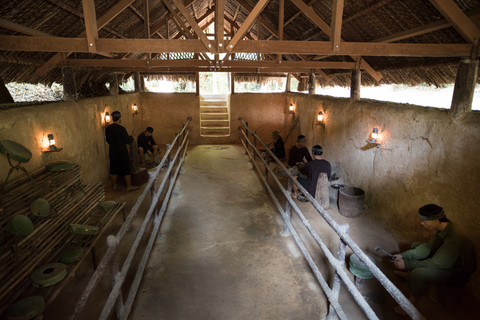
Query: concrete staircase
x=214 y=115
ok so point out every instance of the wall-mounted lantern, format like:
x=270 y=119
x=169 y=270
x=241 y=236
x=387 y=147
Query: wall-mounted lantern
x=321 y=119
x=134 y=109
x=106 y=120
x=374 y=137
x=291 y=108
x=51 y=142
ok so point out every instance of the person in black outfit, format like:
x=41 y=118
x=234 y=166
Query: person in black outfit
x=146 y=144
x=313 y=169
x=299 y=154
x=119 y=151
x=278 y=147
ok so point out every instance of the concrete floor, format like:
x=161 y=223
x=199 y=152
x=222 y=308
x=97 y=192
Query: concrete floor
x=221 y=254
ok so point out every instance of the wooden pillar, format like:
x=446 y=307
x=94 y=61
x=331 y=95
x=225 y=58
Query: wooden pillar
x=113 y=84
x=464 y=87
x=355 y=84
x=197 y=83
x=5 y=96
x=69 y=86
x=311 y=89
x=138 y=83
x=289 y=83
x=232 y=82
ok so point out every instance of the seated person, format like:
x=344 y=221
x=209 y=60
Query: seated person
x=312 y=170
x=297 y=157
x=146 y=144
x=447 y=258
x=278 y=147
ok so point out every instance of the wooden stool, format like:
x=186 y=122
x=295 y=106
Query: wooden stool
x=17 y=152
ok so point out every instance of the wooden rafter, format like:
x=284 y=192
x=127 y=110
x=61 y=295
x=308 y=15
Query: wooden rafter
x=336 y=26
x=326 y=28
x=101 y=22
x=368 y=9
x=22 y=29
x=219 y=23
x=91 y=29
x=457 y=17
x=194 y=24
x=281 y=18
x=247 y=24
x=264 y=22
x=474 y=15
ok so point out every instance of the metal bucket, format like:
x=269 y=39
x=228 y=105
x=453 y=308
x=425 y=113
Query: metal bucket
x=333 y=193
x=350 y=201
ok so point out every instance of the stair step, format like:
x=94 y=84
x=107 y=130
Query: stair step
x=214 y=110
x=214 y=132
x=214 y=116
x=215 y=123
x=221 y=103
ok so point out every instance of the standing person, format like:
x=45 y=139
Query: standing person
x=312 y=170
x=278 y=146
x=447 y=258
x=119 y=149
x=146 y=144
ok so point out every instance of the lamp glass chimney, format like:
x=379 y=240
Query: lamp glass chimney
x=375 y=134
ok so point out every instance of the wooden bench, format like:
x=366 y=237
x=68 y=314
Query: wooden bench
x=71 y=202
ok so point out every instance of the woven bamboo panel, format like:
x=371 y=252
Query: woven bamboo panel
x=71 y=202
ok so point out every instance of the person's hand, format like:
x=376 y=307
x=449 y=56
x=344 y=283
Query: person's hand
x=399 y=262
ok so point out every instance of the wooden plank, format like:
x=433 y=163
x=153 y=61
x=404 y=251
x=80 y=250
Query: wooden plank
x=247 y=23
x=111 y=63
x=91 y=29
x=369 y=9
x=264 y=22
x=194 y=25
x=457 y=17
x=336 y=24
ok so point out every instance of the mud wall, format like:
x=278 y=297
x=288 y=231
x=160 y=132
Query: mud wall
x=425 y=157
x=77 y=128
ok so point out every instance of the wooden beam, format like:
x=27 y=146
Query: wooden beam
x=460 y=21
x=91 y=29
x=146 y=9
x=69 y=87
x=194 y=25
x=264 y=22
x=101 y=22
x=336 y=25
x=464 y=87
x=355 y=84
x=298 y=13
x=326 y=28
x=219 y=24
x=354 y=49
x=247 y=24
x=281 y=18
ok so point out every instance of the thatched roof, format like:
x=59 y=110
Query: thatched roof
x=392 y=41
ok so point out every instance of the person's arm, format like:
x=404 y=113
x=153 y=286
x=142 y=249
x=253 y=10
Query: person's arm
x=152 y=142
x=444 y=258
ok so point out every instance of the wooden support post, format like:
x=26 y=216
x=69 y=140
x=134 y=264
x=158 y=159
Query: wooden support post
x=113 y=84
x=355 y=84
x=464 y=87
x=197 y=83
x=5 y=96
x=311 y=89
x=69 y=86
x=289 y=83
x=138 y=82
x=233 y=83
